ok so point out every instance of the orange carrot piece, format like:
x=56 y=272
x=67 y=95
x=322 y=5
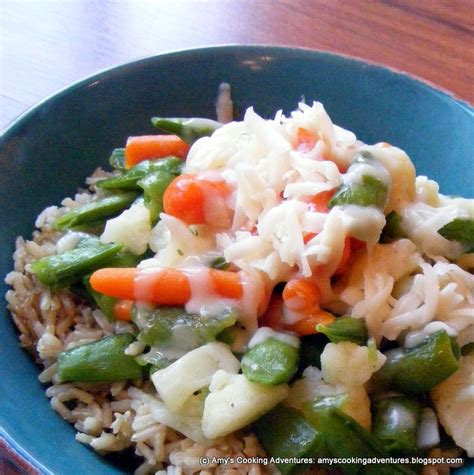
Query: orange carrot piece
x=346 y=254
x=146 y=147
x=123 y=310
x=187 y=195
x=115 y=282
x=273 y=317
x=320 y=201
x=160 y=286
x=184 y=199
x=226 y=284
x=305 y=140
x=301 y=295
x=307 y=325
x=357 y=244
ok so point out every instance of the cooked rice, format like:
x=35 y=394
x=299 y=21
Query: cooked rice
x=107 y=417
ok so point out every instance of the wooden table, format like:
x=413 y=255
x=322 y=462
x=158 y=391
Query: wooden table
x=48 y=44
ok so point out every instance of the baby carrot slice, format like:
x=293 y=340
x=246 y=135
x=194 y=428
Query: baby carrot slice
x=187 y=198
x=307 y=325
x=123 y=310
x=301 y=295
x=146 y=147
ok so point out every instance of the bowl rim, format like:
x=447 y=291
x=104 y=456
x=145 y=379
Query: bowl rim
x=101 y=73
x=20 y=454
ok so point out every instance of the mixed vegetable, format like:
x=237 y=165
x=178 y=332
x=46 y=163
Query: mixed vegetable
x=197 y=329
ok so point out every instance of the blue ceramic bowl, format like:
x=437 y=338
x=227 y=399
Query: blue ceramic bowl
x=47 y=153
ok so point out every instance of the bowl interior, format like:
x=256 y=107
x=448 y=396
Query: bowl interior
x=49 y=152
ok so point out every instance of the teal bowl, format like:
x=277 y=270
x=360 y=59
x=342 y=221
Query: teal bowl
x=48 y=152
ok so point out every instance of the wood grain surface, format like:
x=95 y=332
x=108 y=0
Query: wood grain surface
x=48 y=44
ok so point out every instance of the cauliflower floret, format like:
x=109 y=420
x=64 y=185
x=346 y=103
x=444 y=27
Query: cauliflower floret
x=193 y=371
x=349 y=364
x=454 y=403
x=132 y=228
x=357 y=404
x=235 y=402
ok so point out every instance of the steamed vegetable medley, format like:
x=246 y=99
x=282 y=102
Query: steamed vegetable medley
x=278 y=277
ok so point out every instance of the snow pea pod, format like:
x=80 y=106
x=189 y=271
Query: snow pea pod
x=61 y=270
x=154 y=186
x=99 y=361
x=345 y=329
x=189 y=130
x=172 y=327
x=396 y=423
x=285 y=433
x=366 y=183
x=419 y=369
x=117 y=159
x=95 y=211
x=271 y=362
x=344 y=438
x=130 y=178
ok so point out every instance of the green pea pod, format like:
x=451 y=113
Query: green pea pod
x=170 y=327
x=419 y=369
x=312 y=408
x=346 y=439
x=270 y=362
x=219 y=263
x=130 y=178
x=392 y=229
x=60 y=270
x=100 y=361
x=395 y=425
x=154 y=186
x=369 y=192
x=95 y=211
x=284 y=433
x=117 y=159
x=189 y=130
x=362 y=188
x=460 y=230
x=345 y=329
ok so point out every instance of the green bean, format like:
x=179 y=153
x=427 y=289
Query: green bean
x=117 y=159
x=284 y=433
x=392 y=229
x=60 y=270
x=189 y=130
x=130 y=178
x=95 y=211
x=420 y=368
x=270 y=362
x=345 y=329
x=100 y=361
x=364 y=190
x=345 y=438
x=396 y=423
x=173 y=327
x=154 y=186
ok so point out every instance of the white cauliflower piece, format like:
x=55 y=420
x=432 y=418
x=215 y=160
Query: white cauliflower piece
x=357 y=404
x=349 y=364
x=193 y=371
x=132 y=228
x=235 y=402
x=454 y=403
